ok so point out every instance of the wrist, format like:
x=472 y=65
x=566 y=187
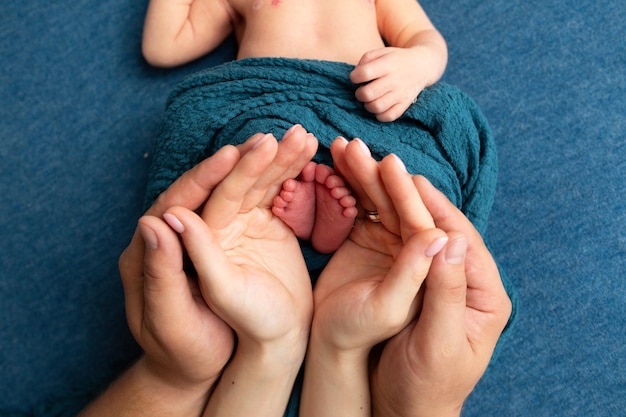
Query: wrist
x=335 y=381
x=433 y=52
x=335 y=363
x=345 y=342
x=170 y=384
x=389 y=399
x=274 y=355
x=335 y=352
x=258 y=381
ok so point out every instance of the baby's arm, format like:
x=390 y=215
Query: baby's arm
x=179 y=31
x=416 y=58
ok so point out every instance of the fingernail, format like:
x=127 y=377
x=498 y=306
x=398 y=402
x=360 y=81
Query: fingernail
x=399 y=162
x=261 y=140
x=291 y=129
x=364 y=147
x=455 y=251
x=149 y=237
x=174 y=222
x=436 y=247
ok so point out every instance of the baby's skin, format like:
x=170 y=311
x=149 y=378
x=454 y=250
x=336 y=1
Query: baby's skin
x=317 y=206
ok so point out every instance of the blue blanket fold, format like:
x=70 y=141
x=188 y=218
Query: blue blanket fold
x=444 y=136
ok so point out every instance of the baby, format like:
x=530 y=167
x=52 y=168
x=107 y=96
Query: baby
x=396 y=50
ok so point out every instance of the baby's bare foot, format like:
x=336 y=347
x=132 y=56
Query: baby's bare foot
x=317 y=206
x=295 y=204
x=335 y=210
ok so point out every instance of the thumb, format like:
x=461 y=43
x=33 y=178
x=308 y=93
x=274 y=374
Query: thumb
x=398 y=291
x=444 y=305
x=167 y=295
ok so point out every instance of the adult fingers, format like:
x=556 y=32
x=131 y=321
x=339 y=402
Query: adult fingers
x=131 y=271
x=130 y=264
x=228 y=197
x=445 y=214
x=397 y=292
x=371 y=189
x=338 y=152
x=442 y=323
x=489 y=306
x=190 y=190
x=161 y=294
x=411 y=211
x=193 y=188
x=354 y=162
x=482 y=269
x=217 y=276
x=296 y=148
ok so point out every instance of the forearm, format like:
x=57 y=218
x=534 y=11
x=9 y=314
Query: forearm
x=142 y=392
x=165 y=20
x=176 y=32
x=257 y=382
x=433 y=48
x=335 y=383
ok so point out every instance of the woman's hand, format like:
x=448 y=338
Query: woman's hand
x=252 y=274
x=249 y=264
x=369 y=290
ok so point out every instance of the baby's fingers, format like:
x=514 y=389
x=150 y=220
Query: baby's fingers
x=370 y=67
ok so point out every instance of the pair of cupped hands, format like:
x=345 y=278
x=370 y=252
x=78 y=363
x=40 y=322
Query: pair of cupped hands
x=215 y=282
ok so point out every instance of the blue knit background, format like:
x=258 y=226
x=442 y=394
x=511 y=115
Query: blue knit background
x=79 y=111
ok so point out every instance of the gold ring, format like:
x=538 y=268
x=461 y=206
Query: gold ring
x=372 y=216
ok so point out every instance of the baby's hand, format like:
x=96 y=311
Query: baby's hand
x=392 y=79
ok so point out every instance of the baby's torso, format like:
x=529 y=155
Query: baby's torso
x=334 y=30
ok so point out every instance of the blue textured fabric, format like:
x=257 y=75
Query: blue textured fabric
x=79 y=112
x=444 y=136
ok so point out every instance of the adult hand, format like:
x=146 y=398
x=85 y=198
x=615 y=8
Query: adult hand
x=243 y=254
x=368 y=291
x=164 y=308
x=434 y=363
x=185 y=344
x=252 y=274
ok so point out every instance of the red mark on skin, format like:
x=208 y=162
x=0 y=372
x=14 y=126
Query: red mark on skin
x=276 y=2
